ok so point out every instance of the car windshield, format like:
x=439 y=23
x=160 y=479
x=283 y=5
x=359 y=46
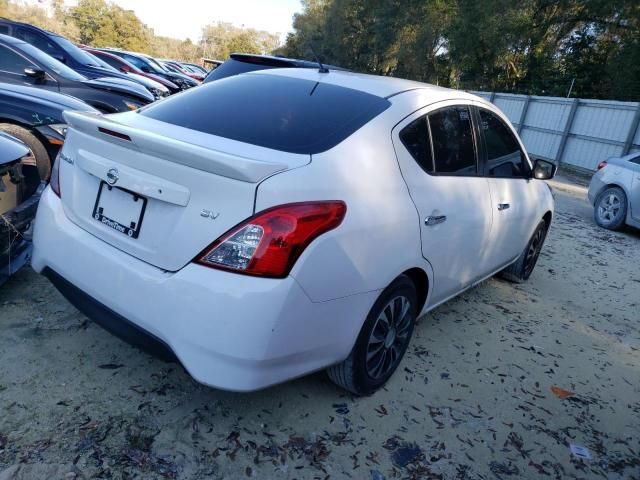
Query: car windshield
x=51 y=63
x=272 y=111
x=74 y=52
x=154 y=63
x=101 y=63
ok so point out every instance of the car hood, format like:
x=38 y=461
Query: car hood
x=164 y=81
x=120 y=85
x=147 y=82
x=11 y=149
x=186 y=78
x=40 y=96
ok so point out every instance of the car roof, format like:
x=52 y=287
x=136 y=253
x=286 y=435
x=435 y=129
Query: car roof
x=380 y=86
x=29 y=25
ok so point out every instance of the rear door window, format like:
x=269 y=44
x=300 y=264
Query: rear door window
x=504 y=157
x=415 y=138
x=453 y=142
x=272 y=111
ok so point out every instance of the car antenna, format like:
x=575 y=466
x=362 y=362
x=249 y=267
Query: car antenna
x=322 y=68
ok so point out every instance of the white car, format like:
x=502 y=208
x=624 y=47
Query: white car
x=614 y=192
x=284 y=221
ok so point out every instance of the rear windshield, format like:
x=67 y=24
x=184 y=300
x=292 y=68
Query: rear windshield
x=272 y=111
x=234 y=67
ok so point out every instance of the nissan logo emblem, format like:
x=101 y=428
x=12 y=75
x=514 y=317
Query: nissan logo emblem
x=112 y=176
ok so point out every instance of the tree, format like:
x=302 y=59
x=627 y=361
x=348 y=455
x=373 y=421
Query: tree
x=103 y=24
x=529 y=46
x=40 y=16
x=221 y=39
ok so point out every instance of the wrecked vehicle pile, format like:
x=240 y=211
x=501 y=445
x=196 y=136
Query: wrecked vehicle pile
x=19 y=196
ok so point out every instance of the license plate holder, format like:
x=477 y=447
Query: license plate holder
x=119 y=209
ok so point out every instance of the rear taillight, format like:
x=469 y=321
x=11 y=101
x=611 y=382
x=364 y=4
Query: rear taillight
x=269 y=243
x=55 y=177
x=602 y=164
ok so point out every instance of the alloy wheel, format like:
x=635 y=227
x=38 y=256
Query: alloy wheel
x=389 y=337
x=609 y=208
x=533 y=251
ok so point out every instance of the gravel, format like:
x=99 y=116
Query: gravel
x=502 y=382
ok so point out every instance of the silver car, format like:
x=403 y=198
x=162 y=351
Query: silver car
x=614 y=192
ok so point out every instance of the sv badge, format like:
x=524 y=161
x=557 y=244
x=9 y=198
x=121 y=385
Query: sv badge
x=209 y=214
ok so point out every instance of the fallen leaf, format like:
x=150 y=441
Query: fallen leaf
x=561 y=392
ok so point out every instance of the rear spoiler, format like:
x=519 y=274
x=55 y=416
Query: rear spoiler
x=177 y=151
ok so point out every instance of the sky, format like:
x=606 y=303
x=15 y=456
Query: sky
x=185 y=18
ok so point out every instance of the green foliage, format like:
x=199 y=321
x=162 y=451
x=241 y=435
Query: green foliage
x=103 y=24
x=525 y=46
x=36 y=15
x=221 y=39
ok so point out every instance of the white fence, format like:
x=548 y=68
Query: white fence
x=572 y=131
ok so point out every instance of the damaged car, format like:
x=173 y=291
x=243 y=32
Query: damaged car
x=18 y=203
x=34 y=116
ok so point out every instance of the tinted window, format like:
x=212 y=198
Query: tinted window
x=453 y=144
x=415 y=137
x=233 y=67
x=40 y=41
x=12 y=62
x=155 y=64
x=4 y=29
x=138 y=62
x=635 y=159
x=504 y=156
x=114 y=62
x=50 y=63
x=100 y=62
x=171 y=67
x=288 y=114
x=74 y=52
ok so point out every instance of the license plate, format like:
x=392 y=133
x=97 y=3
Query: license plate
x=119 y=209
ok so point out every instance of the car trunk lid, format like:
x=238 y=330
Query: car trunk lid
x=159 y=192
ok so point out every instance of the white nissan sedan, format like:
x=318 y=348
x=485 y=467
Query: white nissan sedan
x=279 y=222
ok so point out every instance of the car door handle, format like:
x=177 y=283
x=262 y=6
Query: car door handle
x=503 y=206
x=435 y=220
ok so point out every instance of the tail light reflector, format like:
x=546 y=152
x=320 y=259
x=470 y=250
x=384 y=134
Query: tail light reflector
x=602 y=164
x=55 y=177
x=269 y=243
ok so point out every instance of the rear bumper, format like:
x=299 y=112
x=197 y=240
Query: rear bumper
x=110 y=320
x=230 y=331
x=595 y=187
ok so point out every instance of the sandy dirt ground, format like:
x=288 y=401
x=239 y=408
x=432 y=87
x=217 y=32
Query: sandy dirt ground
x=501 y=382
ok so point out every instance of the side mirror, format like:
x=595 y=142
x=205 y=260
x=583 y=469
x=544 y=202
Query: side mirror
x=35 y=73
x=543 y=169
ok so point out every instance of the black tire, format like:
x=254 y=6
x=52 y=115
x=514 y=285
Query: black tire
x=39 y=152
x=360 y=376
x=610 y=208
x=520 y=270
